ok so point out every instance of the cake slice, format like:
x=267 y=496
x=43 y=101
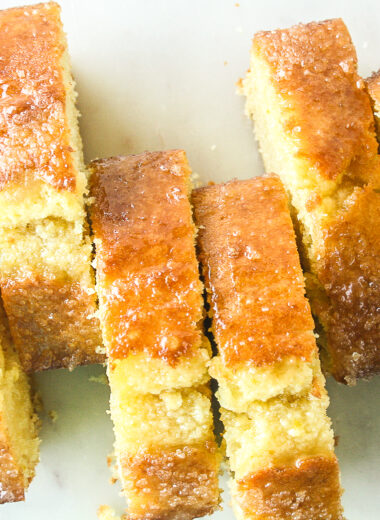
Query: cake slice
x=46 y=278
x=279 y=441
x=315 y=128
x=19 y=443
x=373 y=86
x=262 y=322
x=150 y=304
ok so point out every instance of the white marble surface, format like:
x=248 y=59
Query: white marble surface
x=160 y=74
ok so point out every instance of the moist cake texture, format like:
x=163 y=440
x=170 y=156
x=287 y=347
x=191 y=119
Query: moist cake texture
x=19 y=443
x=329 y=164
x=150 y=301
x=279 y=440
x=45 y=250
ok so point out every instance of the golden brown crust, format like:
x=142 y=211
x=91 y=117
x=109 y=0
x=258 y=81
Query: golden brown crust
x=173 y=483
x=351 y=278
x=251 y=266
x=11 y=479
x=52 y=322
x=314 y=68
x=34 y=133
x=144 y=234
x=309 y=490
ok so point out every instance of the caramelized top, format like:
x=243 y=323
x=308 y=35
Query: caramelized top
x=178 y=483
x=146 y=264
x=252 y=272
x=351 y=278
x=34 y=139
x=314 y=68
x=309 y=489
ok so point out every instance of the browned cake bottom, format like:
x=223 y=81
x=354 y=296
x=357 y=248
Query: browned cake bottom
x=179 y=484
x=308 y=490
x=52 y=323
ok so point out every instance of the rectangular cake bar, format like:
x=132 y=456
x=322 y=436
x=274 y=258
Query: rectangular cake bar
x=279 y=440
x=46 y=278
x=150 y=300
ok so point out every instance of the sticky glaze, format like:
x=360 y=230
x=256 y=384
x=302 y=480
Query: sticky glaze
x=252 y=272
x=34 y=133
x=145 y=252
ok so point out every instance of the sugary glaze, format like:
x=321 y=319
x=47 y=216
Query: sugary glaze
x=314 y=68
x=351 y=279
x=252 y=272
x=308 y=490
x=146 y=260
x=170 y=484
x=53 y=322
x=34 y=134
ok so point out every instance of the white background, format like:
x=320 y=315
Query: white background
x=161 y=74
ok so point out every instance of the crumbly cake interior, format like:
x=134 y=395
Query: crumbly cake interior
x=150 y=301
x=19 y=453
x=45 y=248
x=279 y=440
x=331 y=170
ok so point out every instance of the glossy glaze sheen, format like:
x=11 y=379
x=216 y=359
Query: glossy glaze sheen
x=314 y=67
x=174 y=483
x=308 y=490
x=144 y=233
x=34 y=133
x=252 y=272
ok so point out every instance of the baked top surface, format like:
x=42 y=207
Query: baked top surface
x=173 y=483
x=310 y=489
x=252 y=272
x=314 y=68
x=34 y=132
x=151 y=295
x=52 y=321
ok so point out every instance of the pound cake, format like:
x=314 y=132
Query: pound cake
x=279 y=440
x=150 y=305
x=19 y=443
x=315 y=128
x=46 y=277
